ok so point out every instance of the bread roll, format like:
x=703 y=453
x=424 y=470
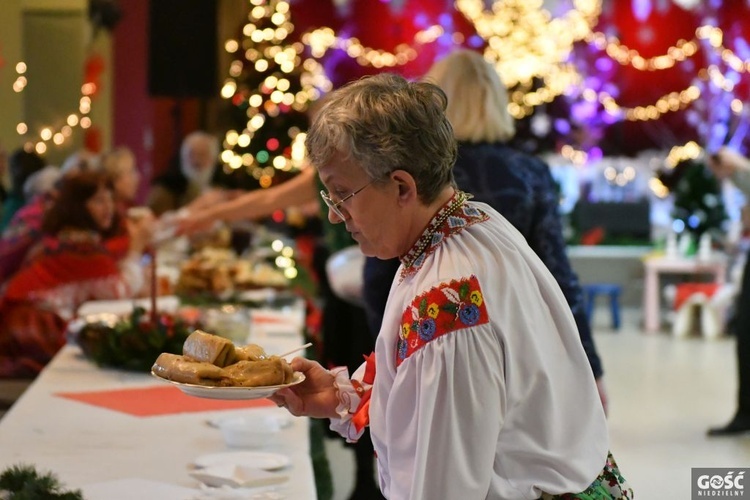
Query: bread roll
x=256 y=373
x=288 y=371
x=188 y=371
x=213 y=349
x=250 y=352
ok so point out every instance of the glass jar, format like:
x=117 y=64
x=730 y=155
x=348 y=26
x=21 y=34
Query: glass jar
x=228 y=321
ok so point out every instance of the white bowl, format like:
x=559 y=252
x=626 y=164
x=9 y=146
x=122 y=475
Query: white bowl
x=249 y=431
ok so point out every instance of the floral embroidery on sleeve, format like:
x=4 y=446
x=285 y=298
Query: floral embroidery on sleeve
x=445 y=308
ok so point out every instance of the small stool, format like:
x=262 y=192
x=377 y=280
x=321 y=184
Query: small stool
x=590 y=292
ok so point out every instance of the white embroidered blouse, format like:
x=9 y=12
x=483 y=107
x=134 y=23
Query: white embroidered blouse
x=482 y=388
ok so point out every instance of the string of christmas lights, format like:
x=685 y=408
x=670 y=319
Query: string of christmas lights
x=58 y=134
x=324 y=39
x=680 y=51
x=671 y=102
x=524 y=41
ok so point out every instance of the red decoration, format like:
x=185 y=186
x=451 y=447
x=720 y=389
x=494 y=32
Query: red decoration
x=92 y=140
x=687 y=290
x=361 y=417
x=278 y=216
x=92 y=70
x=593 y=236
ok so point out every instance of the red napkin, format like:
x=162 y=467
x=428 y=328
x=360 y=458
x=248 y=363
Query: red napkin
x=153 y=401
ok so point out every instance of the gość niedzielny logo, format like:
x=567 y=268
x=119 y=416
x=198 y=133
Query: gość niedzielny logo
x=719 y=482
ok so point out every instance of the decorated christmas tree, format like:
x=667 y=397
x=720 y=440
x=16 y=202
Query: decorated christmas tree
x=698 y=203
x=270 y=87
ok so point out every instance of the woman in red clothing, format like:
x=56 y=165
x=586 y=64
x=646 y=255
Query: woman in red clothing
x=69 y=266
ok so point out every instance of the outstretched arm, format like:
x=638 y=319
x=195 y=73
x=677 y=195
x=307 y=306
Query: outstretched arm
x=253 y=205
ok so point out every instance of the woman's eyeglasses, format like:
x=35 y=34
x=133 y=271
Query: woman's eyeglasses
x=334 y=205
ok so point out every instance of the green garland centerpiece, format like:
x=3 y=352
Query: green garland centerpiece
x=134 y=342
x=24 y=482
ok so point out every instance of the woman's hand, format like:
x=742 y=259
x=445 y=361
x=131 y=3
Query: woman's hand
x=315 y=397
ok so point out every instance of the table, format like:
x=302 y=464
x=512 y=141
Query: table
x=84 y=444
x=657 y=265
x=617 y=264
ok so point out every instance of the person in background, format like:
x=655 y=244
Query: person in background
x=69 y=266
x=517 y=185
x=729 y=164
x=82 y=159
x=120 y=166
x=22 y=164
x=41 y=182
x=25 y=228
x=463 y=395
x=188 y=178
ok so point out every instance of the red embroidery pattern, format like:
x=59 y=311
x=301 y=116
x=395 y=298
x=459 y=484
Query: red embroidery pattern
x=443 y=309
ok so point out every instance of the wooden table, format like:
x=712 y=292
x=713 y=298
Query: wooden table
x=85 y=444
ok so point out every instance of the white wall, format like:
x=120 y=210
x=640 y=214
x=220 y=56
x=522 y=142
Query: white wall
x=53 y=38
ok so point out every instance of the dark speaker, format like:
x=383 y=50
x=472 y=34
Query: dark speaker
x=182 y=48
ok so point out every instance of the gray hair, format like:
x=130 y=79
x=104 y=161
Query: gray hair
x=117 y=161
x=477 y=99
x=196 y=139
x=384 y=123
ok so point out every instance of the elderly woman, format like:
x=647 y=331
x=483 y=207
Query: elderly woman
x=479 y=386
x=69 y=266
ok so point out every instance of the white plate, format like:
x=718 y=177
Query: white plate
x=211 y=392
x=237 y=476
x=166 y=303
x=250 y=459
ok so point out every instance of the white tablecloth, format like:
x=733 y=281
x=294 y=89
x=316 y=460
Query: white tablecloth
x=84 y=444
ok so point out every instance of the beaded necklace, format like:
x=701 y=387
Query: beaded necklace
x=458 y=199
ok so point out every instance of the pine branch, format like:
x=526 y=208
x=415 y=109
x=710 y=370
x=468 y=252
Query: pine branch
x=24 y=482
